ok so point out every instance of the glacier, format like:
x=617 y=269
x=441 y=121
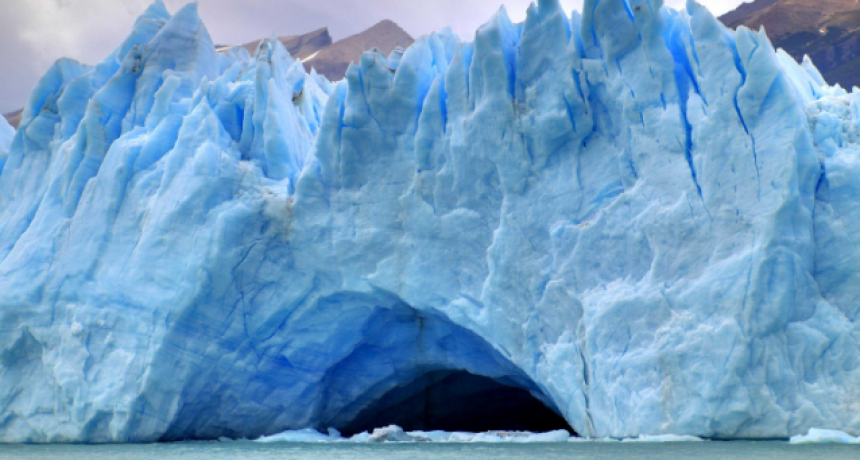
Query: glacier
x=7 y=133
x=642 y=219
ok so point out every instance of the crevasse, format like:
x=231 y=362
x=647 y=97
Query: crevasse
x=644 y=219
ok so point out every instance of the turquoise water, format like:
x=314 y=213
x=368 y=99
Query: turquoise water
x=572 y=451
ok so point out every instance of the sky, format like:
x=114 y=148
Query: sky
x=35 y=33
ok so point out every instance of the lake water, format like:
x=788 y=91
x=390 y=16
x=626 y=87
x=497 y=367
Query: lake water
x=402 y=451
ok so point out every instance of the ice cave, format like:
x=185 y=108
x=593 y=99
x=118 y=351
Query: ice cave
x=457 y=401
x=397 y=365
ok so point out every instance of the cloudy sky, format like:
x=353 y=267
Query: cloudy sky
x=34 y=33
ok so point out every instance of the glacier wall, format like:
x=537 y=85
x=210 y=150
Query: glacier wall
x=644 y=219
x=7 y=133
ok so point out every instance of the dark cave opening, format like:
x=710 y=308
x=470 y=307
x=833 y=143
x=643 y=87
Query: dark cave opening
x=458 y=401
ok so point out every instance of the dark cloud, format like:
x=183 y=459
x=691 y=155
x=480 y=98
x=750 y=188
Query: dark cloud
x=34 y=33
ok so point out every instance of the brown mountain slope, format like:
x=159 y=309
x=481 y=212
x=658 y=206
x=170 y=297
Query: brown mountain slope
x=736 y=17
x=14 y=118
x=334 y=60
x=317 y=51
x=299 y=46
x=826 y=30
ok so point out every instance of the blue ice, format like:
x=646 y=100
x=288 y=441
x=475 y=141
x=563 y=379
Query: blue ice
x=644 y=219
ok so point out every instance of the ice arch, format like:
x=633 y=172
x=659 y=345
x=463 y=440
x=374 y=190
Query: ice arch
x=376 y=354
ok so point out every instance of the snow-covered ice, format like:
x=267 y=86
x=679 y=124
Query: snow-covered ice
x=820 y=436
x=645 y=220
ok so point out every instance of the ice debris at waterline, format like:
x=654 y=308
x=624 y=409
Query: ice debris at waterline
x=394 y=433
x=642 y=219
x=819 y=436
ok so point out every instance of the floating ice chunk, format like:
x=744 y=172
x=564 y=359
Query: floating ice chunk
x=435 y=436
x=360 y=437
x=521 y=436
x=665 y=438
x=491 y=436
x=551 y=436
x=822 y=436
x=394 y=433
x=306 y=435
x=643 y=438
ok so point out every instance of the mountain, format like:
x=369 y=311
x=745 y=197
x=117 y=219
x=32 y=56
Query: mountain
x=14 y=118
x=299 y=46
x=828 y=31
x=335 y=59
x=735 y=18
x=317 y=50
x=642 y=226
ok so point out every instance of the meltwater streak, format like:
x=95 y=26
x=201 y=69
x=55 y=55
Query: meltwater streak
x=735 y=450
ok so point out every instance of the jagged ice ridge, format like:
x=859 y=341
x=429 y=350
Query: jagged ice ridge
x=645 y=219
